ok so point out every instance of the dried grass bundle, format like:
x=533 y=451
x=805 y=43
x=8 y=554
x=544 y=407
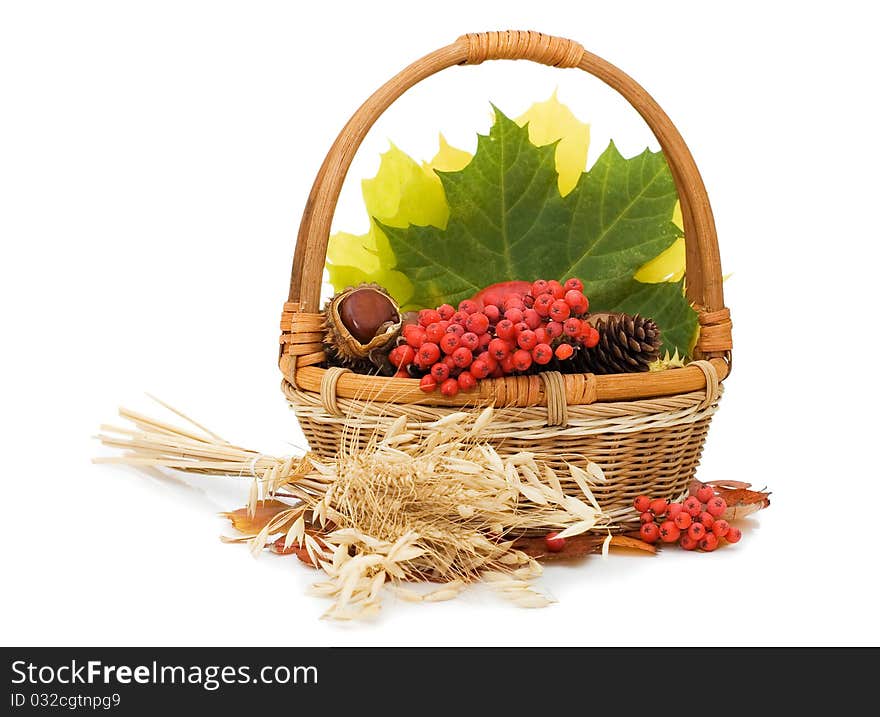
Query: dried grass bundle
x=442 y=506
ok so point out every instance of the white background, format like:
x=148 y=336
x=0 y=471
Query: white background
x=154 y=158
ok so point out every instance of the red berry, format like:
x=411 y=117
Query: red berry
x=429 y=353
x=468 y=307
x=542 y=335
x=528 y=301
x=717 y=506
x=402 y=356
x=658 y=506
x=470 y=340
x=514 y=301
x=492 y=312
x=446 y=311
x=434 y=332
x=571 y=327
x=706 y=519
x=697 y=531
x=428 y=316
x=683 y=520
x=466 y=381
x=519 y=327
x=591 y=338
x=504 y=329
x=542 y=353
x=449 y=387
x=522 y=360
x=527 y=339
x=673 y=509
x=540 y=287
x=449 y=343
x=440 y=372
x=734 y=534
x=693 y=506
x=462 y=357
x=506 y=365
x=514 y=315
x=478 y=323
x=456 y=329
x=647 y=517
x=402 y=373
x=559 y=310
x=459 y=317
x=490 y=360
x=415 y=336
x=709 y=542
x=531 y=317
x=576 y=300
x=450 y=364
x=720 y=527
x=704 y=493
x=479 y=369
x=687 y=542
x=574 y=284
x=669 y=532
x=498 y=349
x=556 y=289
x=554 y=329
x=564 y=351
x=543 y=303
x=642 y=503
x=554 y=544
x=650 y=532
x=427 y=384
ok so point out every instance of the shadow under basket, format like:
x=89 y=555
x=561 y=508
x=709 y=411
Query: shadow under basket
x=645 y=430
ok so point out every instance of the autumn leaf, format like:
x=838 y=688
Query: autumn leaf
x=507 y=221
x=579 y=546
x=250 y=525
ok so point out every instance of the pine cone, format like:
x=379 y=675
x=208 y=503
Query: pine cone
x=627 y=344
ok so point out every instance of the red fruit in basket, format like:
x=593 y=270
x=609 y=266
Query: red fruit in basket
x=429 y=316
x=542 y=354
x=490 y=360
x=484 y=341
x=514 y=315
x=440 y=372
x=477 y=322
x=522 y=360
x=591 y=338
x=527 y=340
x=649 y=532
x=554 y=544
x=514 y=301
x=646 y=517
x=506 y=365
x=532 y=319
x=468 y=306
x=479 y=369
x=539 y=287
x=673 y=509
x=576 y=301
x=462 y=357
x=456 y=329
x=429 y=353
x=470 y=340
x=559 y=310
x=704 y=493
x=427 y=384
x=721 y=528
x=734 y=534
x=414 y=335
x=697 y=531
x=498 y=349
x=446 y=311
x=434 y=332
x=459 y=317
x=449 y=343
x=450 y=364
x=571 y=327
x=564 y=351
x=492 y=312
x=642 y=503
x=693 y=506
x=669 y=532
x=402 y=373
x=504 y=329
x=449 y=387
x=466 y=381
x=716 y=506
x=574 y=284
x=658 y=506
x=554 y=329
x=707 y=519
x=401 y=356
x=709 y=542
x=687 y=542
x=543 y=303
x=518 y=328
x=683 y=520
x=542 y=336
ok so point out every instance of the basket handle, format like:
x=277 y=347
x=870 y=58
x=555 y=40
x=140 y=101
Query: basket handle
x=702 y=258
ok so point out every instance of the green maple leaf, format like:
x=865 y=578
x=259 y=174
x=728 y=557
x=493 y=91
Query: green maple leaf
x=508 y=221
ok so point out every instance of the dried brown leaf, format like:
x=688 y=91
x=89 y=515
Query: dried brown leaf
x=264 y=512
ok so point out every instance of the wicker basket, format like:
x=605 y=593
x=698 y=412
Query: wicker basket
x=645 y=430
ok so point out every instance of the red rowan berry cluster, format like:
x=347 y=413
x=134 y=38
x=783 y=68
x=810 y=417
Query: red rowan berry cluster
x=505 y=332
x=693 y=523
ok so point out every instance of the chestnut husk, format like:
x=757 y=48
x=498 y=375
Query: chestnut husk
x=362 y=324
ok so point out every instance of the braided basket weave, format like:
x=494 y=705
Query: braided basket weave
x=645 y=430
